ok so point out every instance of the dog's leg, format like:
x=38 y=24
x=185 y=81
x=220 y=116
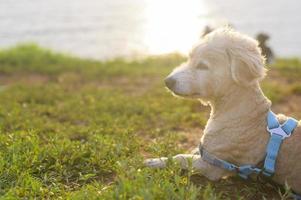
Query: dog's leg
x=156 y=162
x=182 y=159
x=190 y=160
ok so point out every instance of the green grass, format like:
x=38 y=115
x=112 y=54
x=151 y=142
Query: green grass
x=85 y=129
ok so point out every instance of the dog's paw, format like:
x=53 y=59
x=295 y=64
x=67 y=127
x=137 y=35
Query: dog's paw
x=155 y=162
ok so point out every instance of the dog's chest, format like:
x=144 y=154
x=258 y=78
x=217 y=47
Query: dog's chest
x=237 y=143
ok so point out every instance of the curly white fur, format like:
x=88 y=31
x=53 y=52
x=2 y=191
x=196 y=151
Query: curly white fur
x=224 y=70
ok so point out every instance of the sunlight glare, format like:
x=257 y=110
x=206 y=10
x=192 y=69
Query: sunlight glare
x=174 y=25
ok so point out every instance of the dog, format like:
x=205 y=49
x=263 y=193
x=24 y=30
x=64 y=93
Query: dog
x=224 y=71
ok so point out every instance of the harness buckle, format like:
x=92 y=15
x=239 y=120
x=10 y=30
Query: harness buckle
x=278 y=131
x=233 y=167
x=246 y=170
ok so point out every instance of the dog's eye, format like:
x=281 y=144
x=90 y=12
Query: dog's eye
x=202 y=66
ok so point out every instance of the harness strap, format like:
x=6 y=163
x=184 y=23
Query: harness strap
x=272 y=120
x=243 y=171
x=278 y=134
x=289 y=125
x=271 y=154
x=216 y=161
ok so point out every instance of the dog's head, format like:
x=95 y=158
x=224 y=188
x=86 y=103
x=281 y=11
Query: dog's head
x=223 y=59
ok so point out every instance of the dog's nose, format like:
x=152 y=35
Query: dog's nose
x=170 y=82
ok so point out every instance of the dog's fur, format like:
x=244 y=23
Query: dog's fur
x=223 y=71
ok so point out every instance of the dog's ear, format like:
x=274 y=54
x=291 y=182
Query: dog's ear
x=246 y=69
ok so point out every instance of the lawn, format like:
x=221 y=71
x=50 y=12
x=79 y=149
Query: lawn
x=74 y=128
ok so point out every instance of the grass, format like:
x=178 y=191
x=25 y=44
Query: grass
x=73 y=128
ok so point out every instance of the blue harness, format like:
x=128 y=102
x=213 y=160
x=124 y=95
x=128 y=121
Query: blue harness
x=278 y=133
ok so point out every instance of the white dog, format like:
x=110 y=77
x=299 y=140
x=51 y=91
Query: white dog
x=223 y=71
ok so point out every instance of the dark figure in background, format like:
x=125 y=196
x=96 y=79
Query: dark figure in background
x=266 y=51
x=208 y=29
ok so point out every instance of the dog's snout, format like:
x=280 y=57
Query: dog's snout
x=170 y=82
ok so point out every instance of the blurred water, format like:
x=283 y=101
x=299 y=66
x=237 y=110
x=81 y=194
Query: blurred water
x=105 y=29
